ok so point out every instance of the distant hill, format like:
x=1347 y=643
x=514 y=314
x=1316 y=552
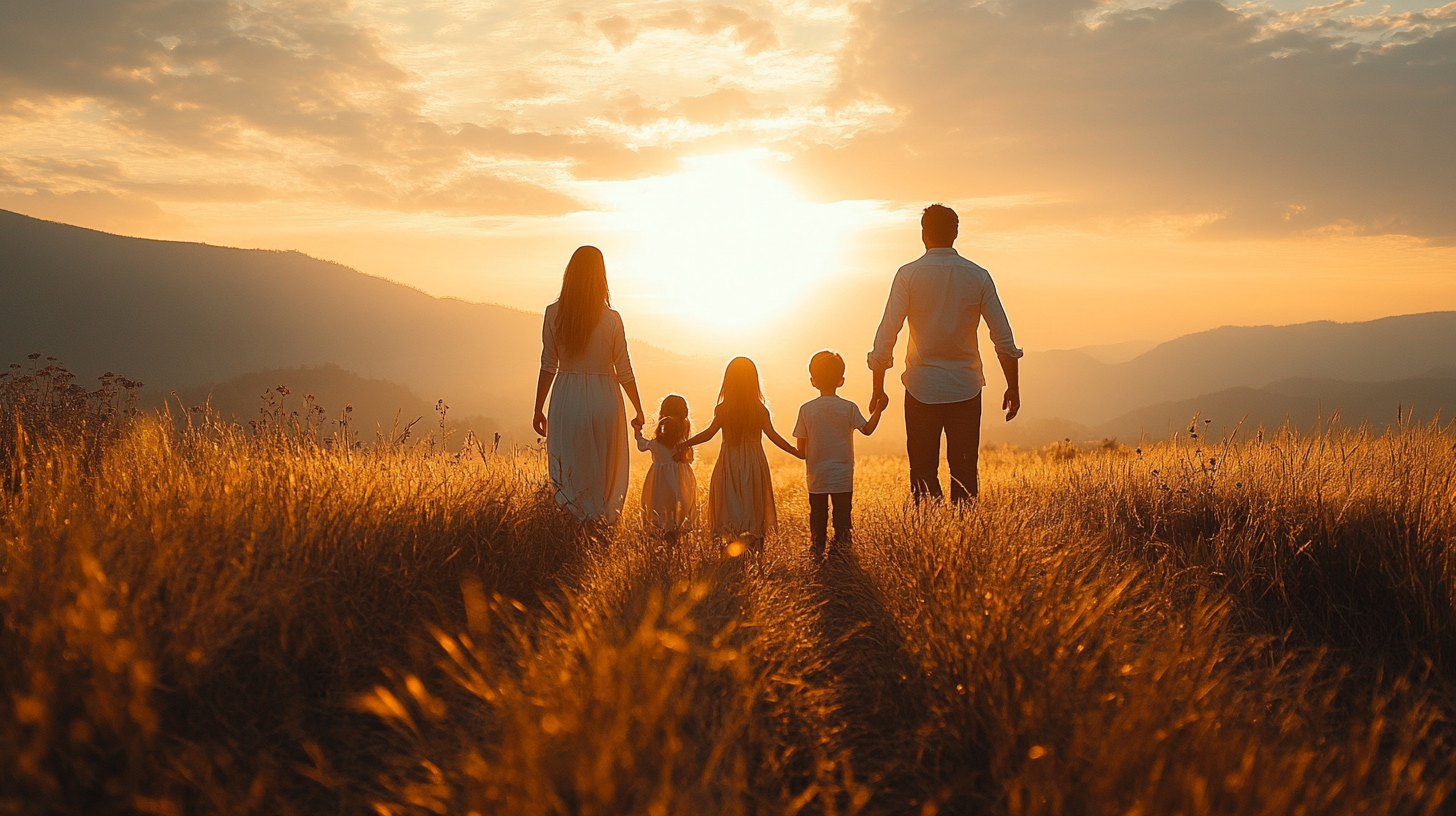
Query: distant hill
x=1303 y=401
x=377 y=405
x=182 y=315
x=201 y=318
x=1233 y=370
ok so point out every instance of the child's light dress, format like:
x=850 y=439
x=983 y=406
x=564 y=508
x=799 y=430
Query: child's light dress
x=670 y=491
x=740 y=493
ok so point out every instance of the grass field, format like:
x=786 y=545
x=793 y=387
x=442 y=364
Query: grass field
x=210 y=619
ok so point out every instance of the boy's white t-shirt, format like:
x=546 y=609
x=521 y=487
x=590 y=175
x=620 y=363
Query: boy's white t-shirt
x=827 y=425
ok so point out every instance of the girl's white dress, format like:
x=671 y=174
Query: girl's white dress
x=670 y=491
x=740 y=493
x=586 y=422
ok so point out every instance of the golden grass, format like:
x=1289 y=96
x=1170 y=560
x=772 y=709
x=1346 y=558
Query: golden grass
x=201 y=620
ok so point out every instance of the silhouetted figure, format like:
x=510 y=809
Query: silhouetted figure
x=585 y=367
x=944 y=297
x=825 y=431
x=670 y=491
x=740 y=493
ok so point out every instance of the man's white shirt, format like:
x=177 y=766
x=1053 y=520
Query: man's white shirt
x=944 y=296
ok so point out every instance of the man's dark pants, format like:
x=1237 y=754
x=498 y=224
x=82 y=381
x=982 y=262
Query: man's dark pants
x=961 y=424
x=819 y=518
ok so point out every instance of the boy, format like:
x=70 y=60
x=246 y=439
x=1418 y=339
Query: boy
x=825 y=432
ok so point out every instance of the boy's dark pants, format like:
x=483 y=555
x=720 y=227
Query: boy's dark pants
x=961 y=424
x=819 y=518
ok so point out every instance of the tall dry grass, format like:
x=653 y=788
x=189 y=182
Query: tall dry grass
x=203 y=619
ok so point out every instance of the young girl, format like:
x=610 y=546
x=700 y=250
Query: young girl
x=740 y=494
x=670 y=492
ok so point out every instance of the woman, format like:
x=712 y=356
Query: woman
x=585 y=367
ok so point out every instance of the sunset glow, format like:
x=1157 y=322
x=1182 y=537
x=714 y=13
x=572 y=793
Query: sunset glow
x=726 y=241
x=1138 y=172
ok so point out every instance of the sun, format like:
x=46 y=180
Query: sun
x=726 y=242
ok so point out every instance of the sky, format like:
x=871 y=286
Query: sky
x=754 y=171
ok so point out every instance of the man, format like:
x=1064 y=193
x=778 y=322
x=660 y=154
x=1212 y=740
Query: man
x=944 y=296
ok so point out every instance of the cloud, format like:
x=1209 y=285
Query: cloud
x=203 y=73
x=292 y=92
x=755 y=34
x=470 y=194
x=592 y=156
x=98 y=209
x=1251 y=122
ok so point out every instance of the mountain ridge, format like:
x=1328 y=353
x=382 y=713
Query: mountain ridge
x=181 y=315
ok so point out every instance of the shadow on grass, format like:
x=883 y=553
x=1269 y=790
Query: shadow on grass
x=881 y=688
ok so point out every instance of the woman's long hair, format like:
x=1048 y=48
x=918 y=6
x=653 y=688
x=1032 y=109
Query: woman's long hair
x=584 y=296
x=740 y=401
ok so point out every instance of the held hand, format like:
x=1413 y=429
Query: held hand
x=639 y=421
x=879 y=402
x=1011 y=403
x=539 y=424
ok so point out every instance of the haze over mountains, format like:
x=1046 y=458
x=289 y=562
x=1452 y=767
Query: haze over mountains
x=194 y=317
x=183 y=316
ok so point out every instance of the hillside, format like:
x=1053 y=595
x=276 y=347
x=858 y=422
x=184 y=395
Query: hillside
x=1303 y=401
x=1073 y=386
x=375 y=406
x=185 y=316
x=181 y=315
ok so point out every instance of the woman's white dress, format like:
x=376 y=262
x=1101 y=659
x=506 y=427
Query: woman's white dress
x=670 y=491
x=586 y=422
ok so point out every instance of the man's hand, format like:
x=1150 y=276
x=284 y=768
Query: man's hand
x=879 y=402
x=539 y=424
x=1011 y=403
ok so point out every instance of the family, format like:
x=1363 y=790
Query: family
x=585 y=368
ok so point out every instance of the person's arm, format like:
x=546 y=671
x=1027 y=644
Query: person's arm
x=873 y=423
x=1006 y=351
x=774 y=437
x=643 y=443
x=543 y=387
x=707 y=434
x=549 y=363
x=622 y=363
x=1011 y=402
x=641 y=419
x=801 y=434
x=879 y=400
x=882 y=357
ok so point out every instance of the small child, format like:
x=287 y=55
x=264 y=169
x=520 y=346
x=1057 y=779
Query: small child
x=670 y=491
x=740 y=494
x=825 y=432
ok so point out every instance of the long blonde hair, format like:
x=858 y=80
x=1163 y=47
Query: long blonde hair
x=584 y=296
x=740 y=401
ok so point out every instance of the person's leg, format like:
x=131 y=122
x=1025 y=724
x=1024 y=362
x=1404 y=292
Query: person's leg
x=843 y=516
x=963 y=447
x=818 y=522
x=923 y=427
